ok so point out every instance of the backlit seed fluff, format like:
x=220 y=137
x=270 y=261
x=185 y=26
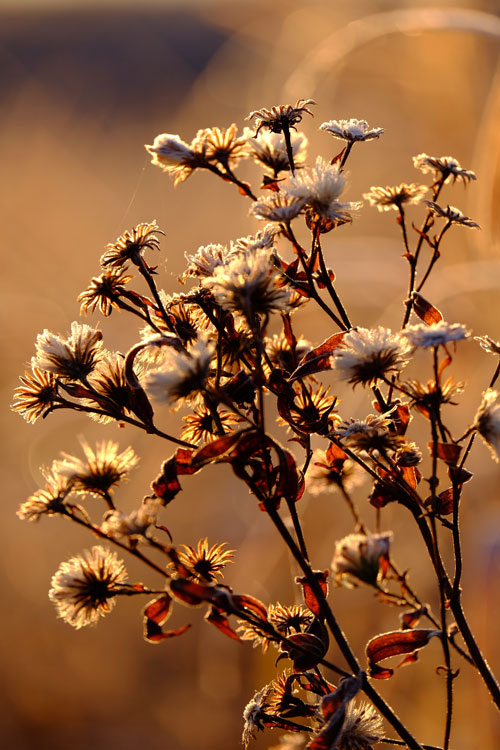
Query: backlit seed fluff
x=367 y=355
x=84 y=587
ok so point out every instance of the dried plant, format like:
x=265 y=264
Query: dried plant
x=210 y=352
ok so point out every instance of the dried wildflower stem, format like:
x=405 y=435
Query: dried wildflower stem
x=455 y=602
x=346 y=154
x=149 y=428
x=328 y=283
x=435 y=255
x=132 y=551
x=144 y=317
x=413 y=263
x=229 y=176
x=339 y=636
x=312 y=289
x=289 y=149
x=146 y=273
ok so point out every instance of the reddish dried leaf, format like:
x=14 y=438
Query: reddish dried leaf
x=425 y=310
x=319 y=358
x=321 y=278
x=381 y=495
x=191 y=593
x=447 y=452
x=380 y=673
x=158 y=610
x=221 y=622
x=333 y=708
x=444 y=503
x=411 y=475
x=338 y=157
x=335 y=453
x=411 y=618
x=218 y=450
x=459 y=475
x=310 y=598
x=395 y=643
x=242 y=601
x=154 y=634
x=409 y=659
x=401 y=418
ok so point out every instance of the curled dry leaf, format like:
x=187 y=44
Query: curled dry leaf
x=425 y=310
x=393 y=644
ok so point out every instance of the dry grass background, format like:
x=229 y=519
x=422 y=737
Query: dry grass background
x=81 y=92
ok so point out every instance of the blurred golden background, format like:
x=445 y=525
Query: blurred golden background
x=83 y=87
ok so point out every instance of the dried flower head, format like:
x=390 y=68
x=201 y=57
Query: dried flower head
x=444 y=168
x=262 y=240
x=200 y=426
x=439 y=334
x=371 y=434
x=114 y=394
x=395 y=197
x=183 y=374
x=351 y=130
x=100 y=471
x=281 y=117
x=323 y=476
x=253 y=714
x=130 y=246
x=408 y=454
x=428 y=397
x=289 y=620
x=452 y=215
x=249 y=631
x=362 y=727
x=37 y=394
x=358 y=556
x=206 y=259
x=487 y=422
x=174 y=156
x=279 y=207
x=367 y=355
x=104 y=291
x=73 y=358
x=221 y=144
x=283 y=355
x=205 y=563
x=269 y=150
x=249 y=285
x=134 y=525
x=313 y=410
x=320 y=189
x=49 y=501
x=84 y=587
